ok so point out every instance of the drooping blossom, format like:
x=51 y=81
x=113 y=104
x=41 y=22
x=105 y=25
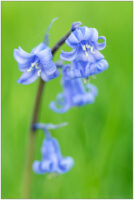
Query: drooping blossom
x=36 y=64
x=75 y=93
x=52 y=160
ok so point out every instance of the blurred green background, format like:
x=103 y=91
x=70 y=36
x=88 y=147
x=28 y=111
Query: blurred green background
x=99 y=136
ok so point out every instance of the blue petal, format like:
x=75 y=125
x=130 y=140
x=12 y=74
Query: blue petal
x=93 y=35
x=42 y=167
x=49 y=72
x=87 y=32
x=28 y=77
x=24 y=53
x=69 y=56
x=50 y=68
x=68 y=72
x=80 y=100
x=36 y=167
x=44 y=76
x=88 y=98
x=96 y=68
x=62 y=109
x=50 y=146
x=46 y=166
x=39 y=48
x=45 y=56
x=22 y=57
x=102 y=45
x=83 y=58
x=85 y=97
x=24 y=67
x=65 y=164
x=72 y=40
x=78 y=34
x=98 y=55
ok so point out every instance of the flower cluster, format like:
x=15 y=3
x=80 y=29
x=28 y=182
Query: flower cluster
x=84 y=60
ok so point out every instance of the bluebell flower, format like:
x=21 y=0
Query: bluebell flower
x=75 y=93
x=83 y=66
x=36 y=64
x=85 y=56
x=52 y=159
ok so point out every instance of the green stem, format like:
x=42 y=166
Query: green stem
x=27 y=181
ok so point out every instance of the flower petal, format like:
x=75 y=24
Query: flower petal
x=45 y=56
x=94 y=34
x=102 y=45
x=50 y=147
x=39 y=48
x=61 y=109
x=28 y=77
x=69 y=56
x=37 y=167
x=78 y=34
x=65 y=164
x=96 y=68
x=87 y=32
x=50 y=68
x=42 y=167
x=24 y=67
x=98 y=55
x=49 y=71
x=72 y=40
x=80 y=100
x=24 y=52
x=22 y=57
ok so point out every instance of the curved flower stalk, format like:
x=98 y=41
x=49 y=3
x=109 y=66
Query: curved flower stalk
x=75 y=93
x=86 y=60
x=85 y=56
x=52 y=159
x=36 y=64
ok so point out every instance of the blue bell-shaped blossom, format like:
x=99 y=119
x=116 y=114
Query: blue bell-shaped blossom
x=52 y=159
x=36 y=64
x=85 y=56
x=75 y=93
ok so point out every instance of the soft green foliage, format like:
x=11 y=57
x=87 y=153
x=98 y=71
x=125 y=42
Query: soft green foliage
x=98 y=136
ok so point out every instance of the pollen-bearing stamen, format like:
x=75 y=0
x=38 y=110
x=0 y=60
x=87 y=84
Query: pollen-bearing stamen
x=86 y=53
x=85 y=50
x=30 y=69
x=84 y=47
x=34 y=64
x=39 y=71
x=90 y=47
